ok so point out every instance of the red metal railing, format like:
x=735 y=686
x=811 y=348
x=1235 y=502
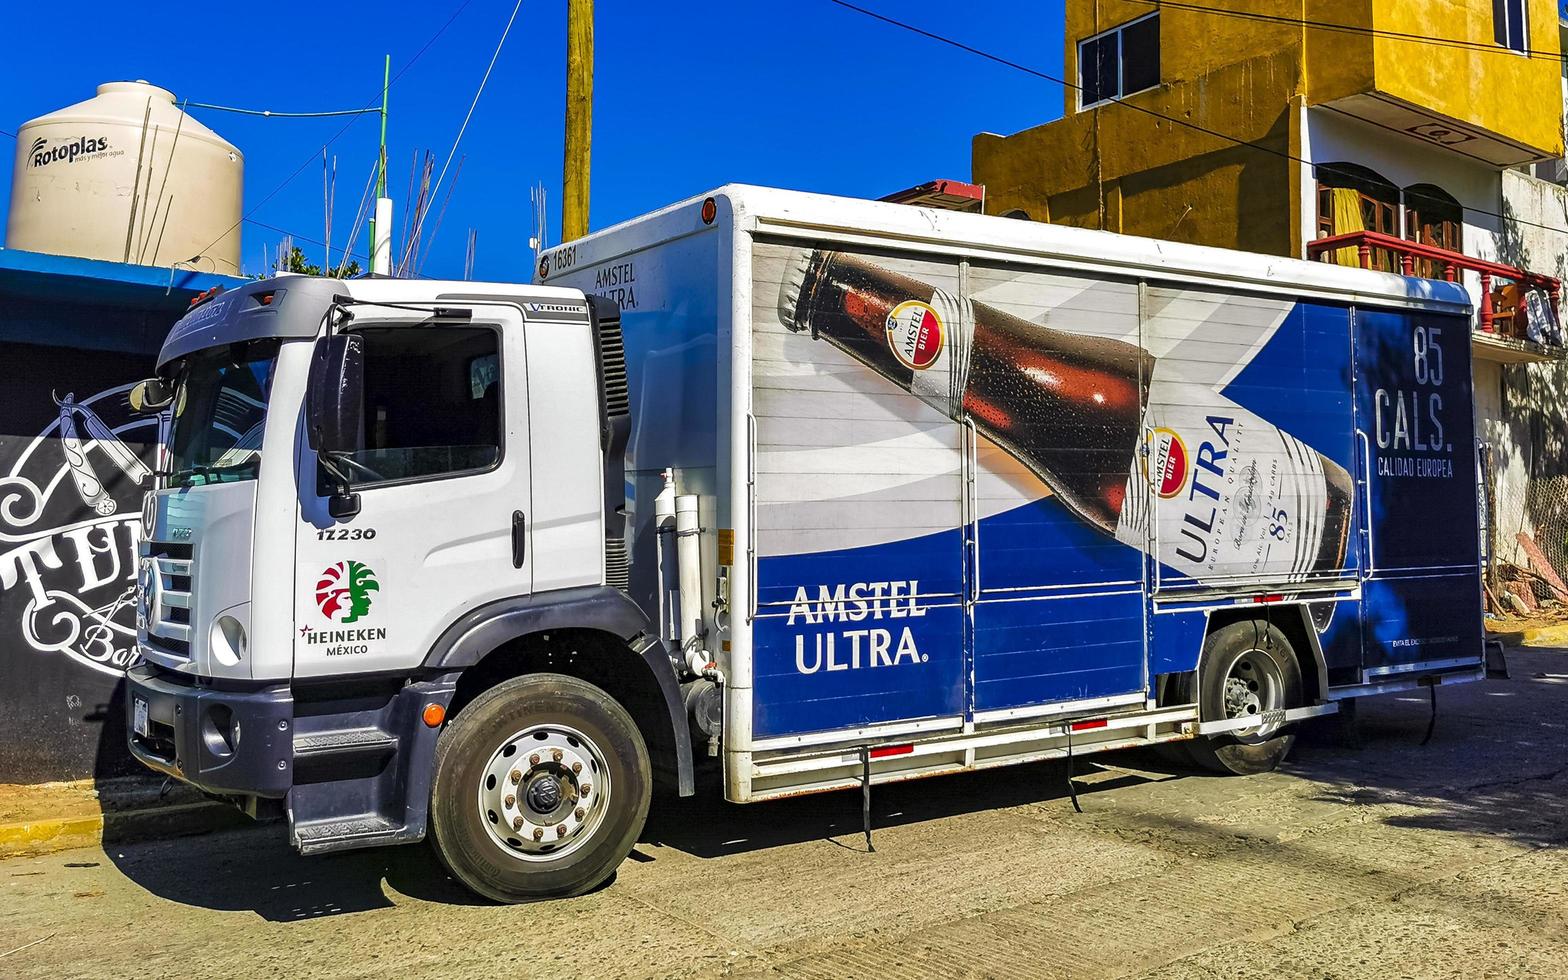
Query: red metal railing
x=1408 y=253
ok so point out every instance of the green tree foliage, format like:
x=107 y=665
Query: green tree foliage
x=297 y=263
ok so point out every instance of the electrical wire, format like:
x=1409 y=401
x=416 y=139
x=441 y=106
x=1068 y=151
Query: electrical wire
x=7 y=132
x=1323 y=25
x=1155 y=113
x=346 y=126
x=420 y=224
x=272 y=114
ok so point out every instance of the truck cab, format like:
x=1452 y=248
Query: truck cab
x=388 y=510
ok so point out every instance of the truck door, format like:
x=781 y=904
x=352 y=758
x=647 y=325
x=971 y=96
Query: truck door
x=1421 y=600
x=442 y=475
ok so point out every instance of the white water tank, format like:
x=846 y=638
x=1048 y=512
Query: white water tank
x=126 y=176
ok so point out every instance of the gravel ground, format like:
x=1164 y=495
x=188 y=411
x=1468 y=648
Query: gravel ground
x=1367 y=856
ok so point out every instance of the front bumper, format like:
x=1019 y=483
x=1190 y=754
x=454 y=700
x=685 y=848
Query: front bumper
x=226 y=742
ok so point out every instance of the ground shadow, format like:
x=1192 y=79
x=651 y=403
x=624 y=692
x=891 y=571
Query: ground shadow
x=1495 y=767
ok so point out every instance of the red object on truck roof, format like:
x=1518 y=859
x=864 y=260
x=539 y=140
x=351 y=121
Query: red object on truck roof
x=951 y=195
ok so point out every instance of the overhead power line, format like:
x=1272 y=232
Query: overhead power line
x=1323 y=25
x=7 y=132
x=272 y=114
x=1155 y=113
x=373 y=104
x=470 y=115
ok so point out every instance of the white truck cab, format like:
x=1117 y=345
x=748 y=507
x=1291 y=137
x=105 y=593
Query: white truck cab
x=367 y=486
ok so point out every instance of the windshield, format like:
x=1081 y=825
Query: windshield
x=220 y=409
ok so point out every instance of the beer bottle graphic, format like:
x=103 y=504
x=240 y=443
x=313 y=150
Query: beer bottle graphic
x=1111 y=430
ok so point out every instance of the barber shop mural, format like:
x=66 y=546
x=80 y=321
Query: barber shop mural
x=75 y=463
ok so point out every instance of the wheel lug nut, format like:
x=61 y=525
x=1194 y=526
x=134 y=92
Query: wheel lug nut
x=511 y=800
x=556 y=754
x=560 y=830
x=538 y=833
x=533 y=760
x=517 y=823
x=587 y=788
x=516 y=777
x=577 y=767
x=579 y=813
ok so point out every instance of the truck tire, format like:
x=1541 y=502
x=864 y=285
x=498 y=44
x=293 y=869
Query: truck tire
x=541 y=788
x=1247 y=668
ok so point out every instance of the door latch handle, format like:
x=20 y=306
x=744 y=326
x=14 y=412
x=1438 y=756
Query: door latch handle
x=519 y=538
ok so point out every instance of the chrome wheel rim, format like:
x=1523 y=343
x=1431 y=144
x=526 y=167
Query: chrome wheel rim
x=1254 y=686
x=544 y=792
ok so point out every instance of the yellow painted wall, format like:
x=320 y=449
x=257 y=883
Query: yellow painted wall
x=1495 y=89
x=1161 y=178
x=1246 y=78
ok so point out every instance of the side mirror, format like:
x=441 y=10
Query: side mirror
x=335 y=399
x=149 y=397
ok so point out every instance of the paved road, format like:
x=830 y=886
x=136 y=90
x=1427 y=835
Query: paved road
x=1369 y=857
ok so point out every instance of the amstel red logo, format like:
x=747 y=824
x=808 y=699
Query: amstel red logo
x=1168 y=463
x=914 y=334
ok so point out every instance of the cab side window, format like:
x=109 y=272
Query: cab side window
x=432 y=403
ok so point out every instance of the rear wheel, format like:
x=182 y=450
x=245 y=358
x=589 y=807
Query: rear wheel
x=1248 y=670
x=541 y=787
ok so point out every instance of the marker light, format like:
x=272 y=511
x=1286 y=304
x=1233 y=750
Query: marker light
x=433 y=715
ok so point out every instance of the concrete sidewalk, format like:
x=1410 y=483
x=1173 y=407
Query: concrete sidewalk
x=45 y=817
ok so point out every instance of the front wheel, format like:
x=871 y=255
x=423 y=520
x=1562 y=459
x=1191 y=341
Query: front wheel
x=541 y=787
x=1248 y=670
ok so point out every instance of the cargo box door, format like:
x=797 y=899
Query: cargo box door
x=859 y=624
x=1052 y=401
x=1248 y=449
x=1422 y=595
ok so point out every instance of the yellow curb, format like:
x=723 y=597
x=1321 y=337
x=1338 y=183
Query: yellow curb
x=14 y=836
x=32 y=837
x=1547 y=636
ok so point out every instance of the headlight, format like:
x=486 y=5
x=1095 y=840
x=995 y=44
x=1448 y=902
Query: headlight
x=149 y=513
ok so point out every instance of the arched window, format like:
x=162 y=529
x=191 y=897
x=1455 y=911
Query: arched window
x=1356 y=198
x=1433 y=217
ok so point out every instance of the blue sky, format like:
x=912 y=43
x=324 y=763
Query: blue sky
x=689 y=94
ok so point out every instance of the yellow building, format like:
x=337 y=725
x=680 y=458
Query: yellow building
x=1267 y=125
x=1419 y=105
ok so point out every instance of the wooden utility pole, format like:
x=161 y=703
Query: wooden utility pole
x=579 y=119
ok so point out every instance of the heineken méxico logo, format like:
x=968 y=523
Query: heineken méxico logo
x=343 y=591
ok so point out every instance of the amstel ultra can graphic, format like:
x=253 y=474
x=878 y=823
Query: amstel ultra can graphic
x=1165 y=465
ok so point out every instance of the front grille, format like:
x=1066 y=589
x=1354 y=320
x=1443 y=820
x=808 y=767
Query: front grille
x=169 y=604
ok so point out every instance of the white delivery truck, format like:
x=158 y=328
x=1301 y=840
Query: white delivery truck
x=838 y=492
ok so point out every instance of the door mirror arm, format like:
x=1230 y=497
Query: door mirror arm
x=342 y=501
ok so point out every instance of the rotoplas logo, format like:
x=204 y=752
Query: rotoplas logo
x=41 y=154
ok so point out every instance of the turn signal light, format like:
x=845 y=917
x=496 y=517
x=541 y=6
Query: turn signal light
x=434 y=715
